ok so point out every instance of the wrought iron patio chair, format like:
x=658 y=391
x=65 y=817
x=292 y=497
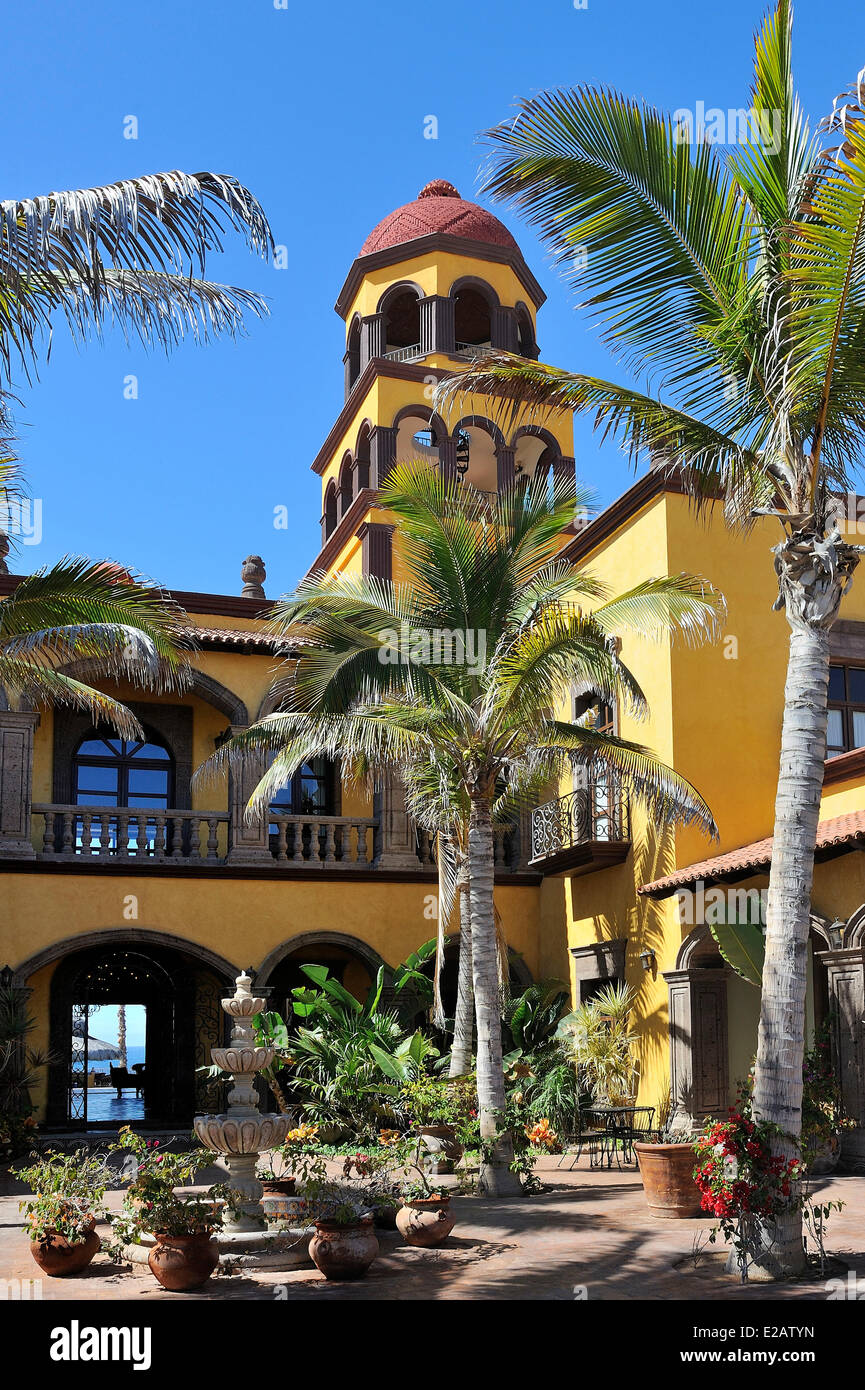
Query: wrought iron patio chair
x=590 y=1132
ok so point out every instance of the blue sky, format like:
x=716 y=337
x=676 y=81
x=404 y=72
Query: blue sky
x=320 y=110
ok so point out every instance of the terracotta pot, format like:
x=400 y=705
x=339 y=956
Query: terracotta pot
x=343 y=1252
x=667 y=1171
x=277 y=1187
x=180 y=1263
x=57 y=1258
x=426 y=1221
x=441 y=1141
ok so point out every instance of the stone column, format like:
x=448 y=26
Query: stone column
x=382 y=453
x=376 y=541
x=248 y=841
x=505 y=467
x=16 y=782
x=397 y=842
x=437 y=324
x=448 y=457
x=504 y=331
x=372 y=339
x=845 y=970
x=699 y=1069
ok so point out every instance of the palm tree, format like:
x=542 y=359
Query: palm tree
x=132 y=252
x=79 y=610
x=368 y=686
x=738 y=282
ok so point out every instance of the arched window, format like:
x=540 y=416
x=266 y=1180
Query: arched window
x=329 y=510
x=363 y=459
x=111 y=771
x=526 y=345
x=352 y=356
x=472 y=318
x=345 y=486
x=309 y=793
x=401 y=323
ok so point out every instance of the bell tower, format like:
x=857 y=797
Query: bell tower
x=437 y=283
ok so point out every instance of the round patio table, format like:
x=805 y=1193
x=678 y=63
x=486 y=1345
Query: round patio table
x=620 y=1128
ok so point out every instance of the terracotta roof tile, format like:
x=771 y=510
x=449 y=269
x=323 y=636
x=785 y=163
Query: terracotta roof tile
x=839 y=830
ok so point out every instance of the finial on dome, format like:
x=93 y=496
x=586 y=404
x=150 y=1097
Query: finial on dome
x=438 y=188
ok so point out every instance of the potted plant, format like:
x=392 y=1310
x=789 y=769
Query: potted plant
x=345 y=1244
x=438 y=1109
x=61 y=1217
x=425 y=1217
x=823 y=1119
x=597 y=1038
x=375 y=1170
x=292 y=1160
x=184 y=1255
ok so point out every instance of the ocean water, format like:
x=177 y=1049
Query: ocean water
x=133 y=1055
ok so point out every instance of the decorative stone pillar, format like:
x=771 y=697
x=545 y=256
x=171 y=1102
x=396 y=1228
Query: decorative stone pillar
x=504 y=330
x=397 y=840
x=16 y=782
x=248 y=841
x=845 y=970
x=505 y=467
x=564 y=467
x=382 y=453
x=253 y=574
x=376 y=554
x=447 y=449
x=699 y=1068
x=437 y=324
x=372 y=339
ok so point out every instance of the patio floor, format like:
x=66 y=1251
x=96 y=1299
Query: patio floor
x=591 y=1231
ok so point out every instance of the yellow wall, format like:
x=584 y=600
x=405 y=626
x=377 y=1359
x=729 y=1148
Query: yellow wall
x=435 y=273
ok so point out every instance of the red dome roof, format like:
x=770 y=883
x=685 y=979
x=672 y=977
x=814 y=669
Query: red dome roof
x=438 y=208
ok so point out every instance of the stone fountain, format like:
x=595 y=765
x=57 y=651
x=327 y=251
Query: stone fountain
x=243 y=1132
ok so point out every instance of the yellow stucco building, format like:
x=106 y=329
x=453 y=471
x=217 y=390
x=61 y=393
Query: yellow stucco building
x=121 y=883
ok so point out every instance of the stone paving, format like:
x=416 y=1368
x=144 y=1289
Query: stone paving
x=590 y=1230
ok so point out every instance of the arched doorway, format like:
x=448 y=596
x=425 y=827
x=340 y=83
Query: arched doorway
x=351 y=962
x=179 y=993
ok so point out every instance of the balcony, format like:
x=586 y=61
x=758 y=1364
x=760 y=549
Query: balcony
x=586 y=830
x=125 y=835
x=129 y=837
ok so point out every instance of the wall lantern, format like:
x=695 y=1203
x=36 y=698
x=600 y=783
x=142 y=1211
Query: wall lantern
x=647 y=959
x=835 y=931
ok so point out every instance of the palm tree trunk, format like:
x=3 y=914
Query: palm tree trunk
x=464 y=1018
x=121 y=1030
x=496 y=1177
x=811 y=588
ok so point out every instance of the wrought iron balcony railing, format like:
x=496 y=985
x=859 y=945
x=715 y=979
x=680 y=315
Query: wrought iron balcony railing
x=595 y=813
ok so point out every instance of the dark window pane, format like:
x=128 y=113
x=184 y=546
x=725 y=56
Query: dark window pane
x=95 y=747
x=835 y=732
x=836 y=683
x=85 y=798
x=856 y=685
x=148 y=800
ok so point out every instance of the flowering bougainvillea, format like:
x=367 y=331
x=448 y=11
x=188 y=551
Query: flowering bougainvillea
x=736 y=1171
